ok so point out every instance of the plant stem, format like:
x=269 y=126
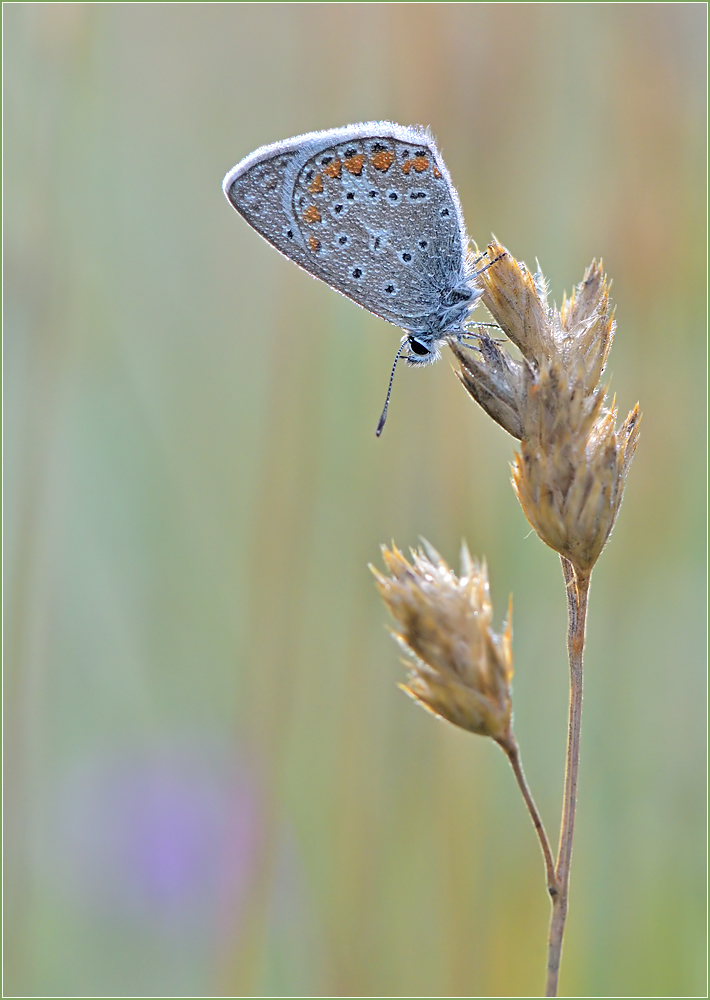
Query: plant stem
x=577 y=592
x=513 y=753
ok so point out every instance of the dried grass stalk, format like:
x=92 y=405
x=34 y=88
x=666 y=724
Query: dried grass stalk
x=569 y=475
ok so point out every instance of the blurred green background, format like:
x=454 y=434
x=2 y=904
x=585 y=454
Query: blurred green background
x=213 y=785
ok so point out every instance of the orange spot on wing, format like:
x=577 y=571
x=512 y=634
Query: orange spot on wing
x=316 y=185
x=383 y=160
x=420 y=163
x=406 y=166
x=313 y=243
x=311 y=214
x=333 y=169
x=436 y=171
x=355 y=163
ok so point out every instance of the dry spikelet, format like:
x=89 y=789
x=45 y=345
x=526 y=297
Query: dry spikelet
x=571 y=470
x=460 y=669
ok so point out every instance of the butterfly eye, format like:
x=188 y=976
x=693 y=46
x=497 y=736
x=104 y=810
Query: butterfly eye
x=421 y=350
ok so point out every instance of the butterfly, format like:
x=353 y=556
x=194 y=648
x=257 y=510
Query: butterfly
x=369 y=209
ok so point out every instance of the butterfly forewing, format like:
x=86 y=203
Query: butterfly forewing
x=372 y=213
x=256 y=190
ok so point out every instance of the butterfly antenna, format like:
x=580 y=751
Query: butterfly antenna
x=490 y=262
x=381 y=422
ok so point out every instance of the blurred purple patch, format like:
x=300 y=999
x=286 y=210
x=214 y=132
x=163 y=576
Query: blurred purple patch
x=170 y=834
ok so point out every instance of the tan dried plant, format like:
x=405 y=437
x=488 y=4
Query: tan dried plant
x=569 y=476
x=460 y=669
x=570 y=472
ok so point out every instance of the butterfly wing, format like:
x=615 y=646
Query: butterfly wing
x=369 y=209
